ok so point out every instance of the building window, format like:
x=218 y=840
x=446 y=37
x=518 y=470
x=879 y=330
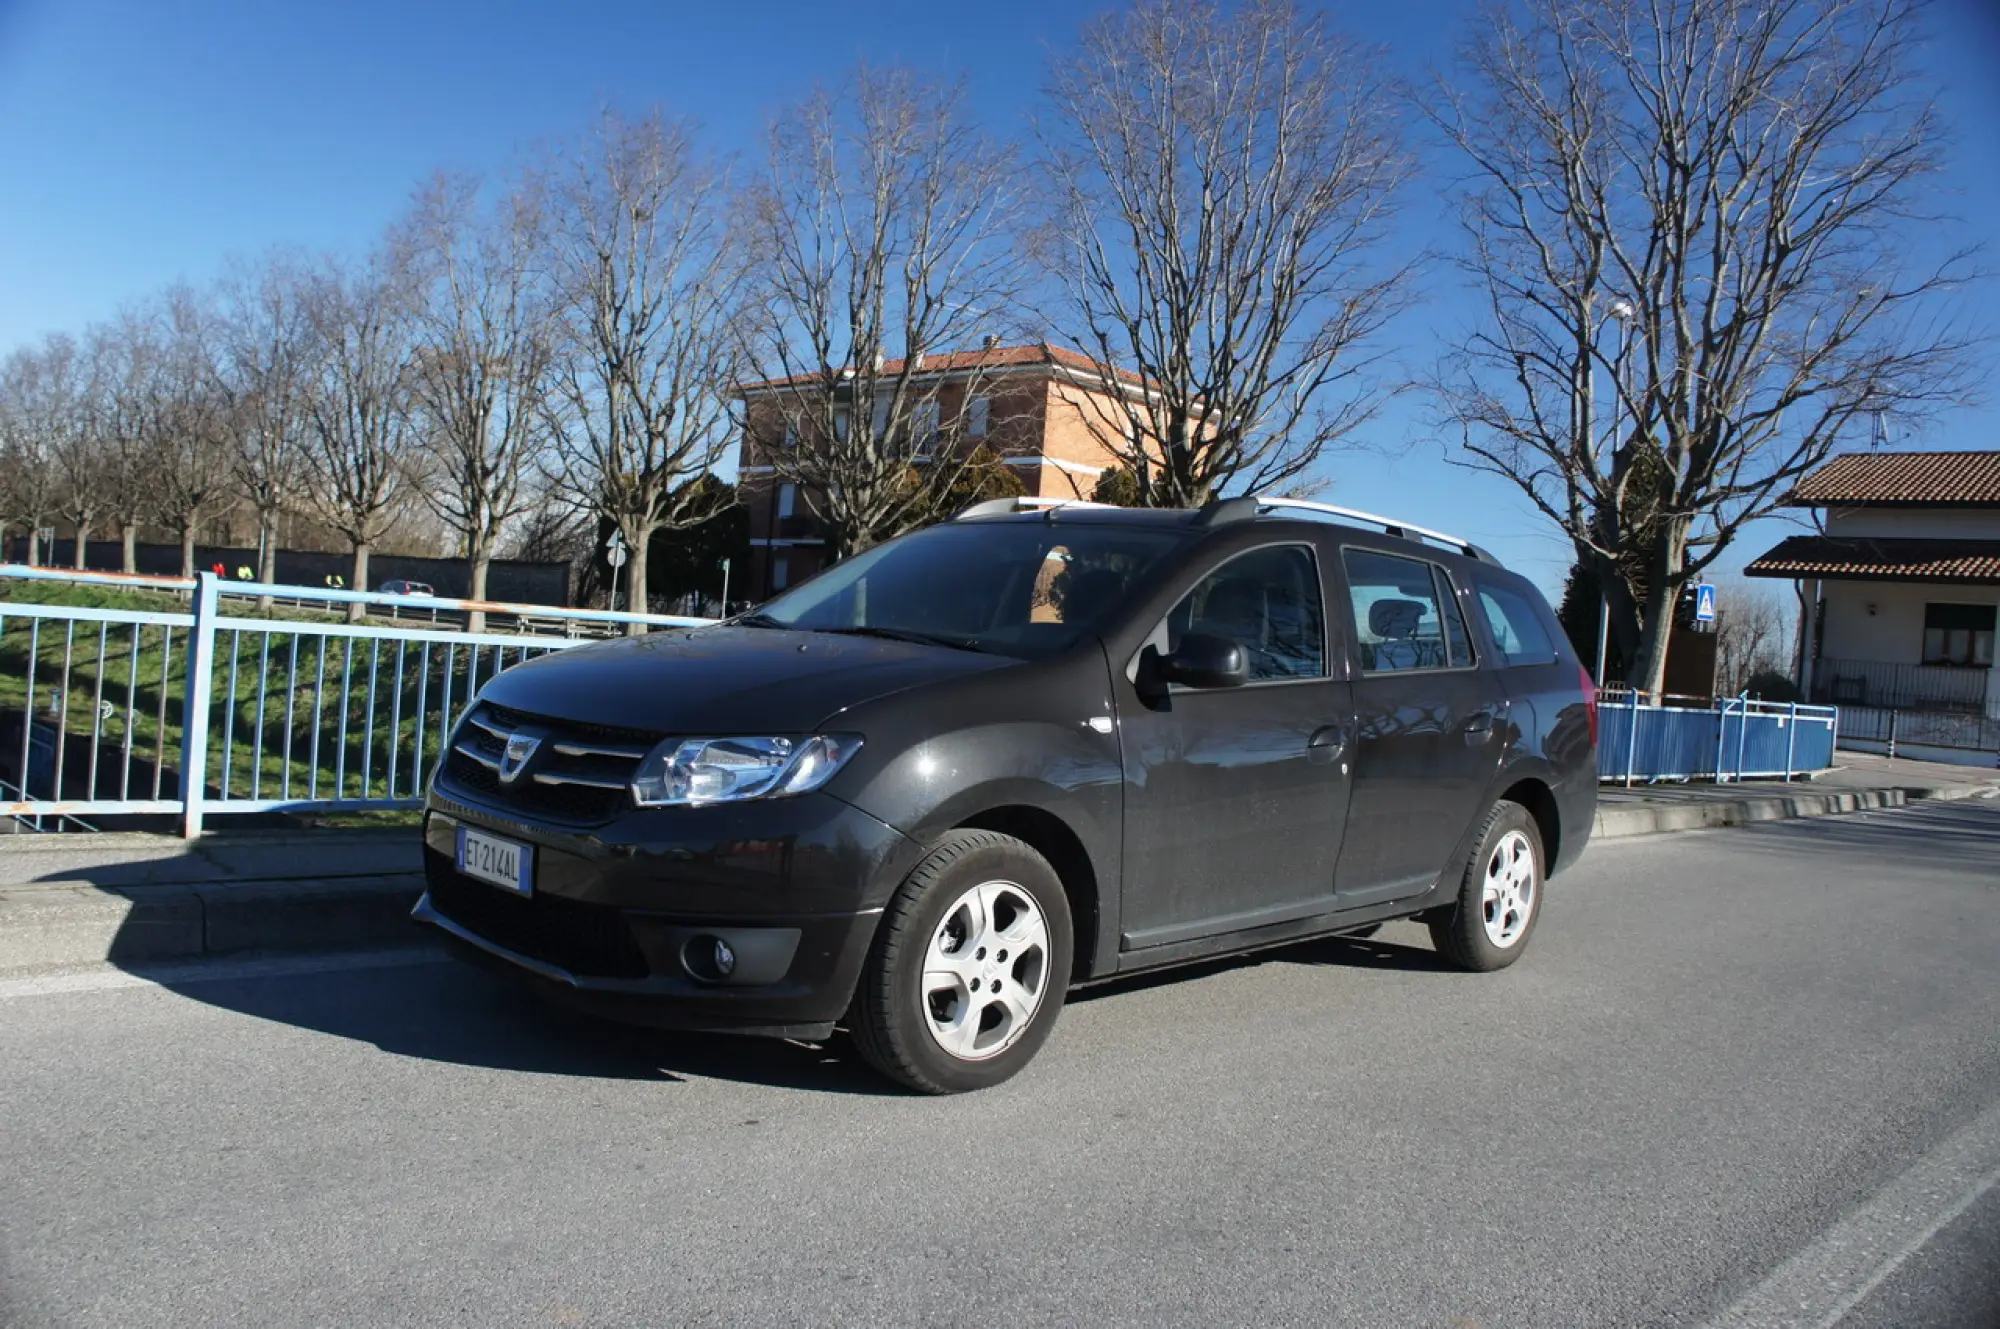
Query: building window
x=1959 y=634
x=840 y=424
x=791 y=435
x=977 y=414
x=781 y=571
x=925 y=429
x=788 y=497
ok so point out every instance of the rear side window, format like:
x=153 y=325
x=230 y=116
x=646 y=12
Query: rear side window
x=1400 y=616
x=1516 y=624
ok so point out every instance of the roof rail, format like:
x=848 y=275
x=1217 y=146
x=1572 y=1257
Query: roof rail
x=1236 y=509
x=996 y=507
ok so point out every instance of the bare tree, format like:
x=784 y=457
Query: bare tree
x=1731 y=183
x=264 y=342
x=1753 y=635
x=483 y=367
x=30 y=470
x=127 y=360
x=1222 y=179
x=884 y=226
x=77 y=446
x=649 y=276
x=188 y=459
x=358 y=408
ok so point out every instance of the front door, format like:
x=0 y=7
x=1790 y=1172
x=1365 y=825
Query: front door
x=1235 y=798
x=1427 y=730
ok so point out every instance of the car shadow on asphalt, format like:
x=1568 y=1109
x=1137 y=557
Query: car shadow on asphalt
x=436 y=1010
x=432 y=1009
x=1339 y=952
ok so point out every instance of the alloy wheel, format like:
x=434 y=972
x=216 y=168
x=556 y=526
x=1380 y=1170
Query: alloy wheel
x=985 y=971
x=1507 y=899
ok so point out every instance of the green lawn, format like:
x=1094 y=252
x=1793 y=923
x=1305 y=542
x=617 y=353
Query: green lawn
x=339 y=715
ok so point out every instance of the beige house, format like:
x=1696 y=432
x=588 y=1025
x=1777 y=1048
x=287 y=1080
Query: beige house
x=1042 y=409
x=1903 y=594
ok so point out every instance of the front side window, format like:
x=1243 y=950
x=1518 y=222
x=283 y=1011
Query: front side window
x=1268 y=602
x=1517 y=627
x=1399 y=615
x=1957 y=634
x=1016 y=588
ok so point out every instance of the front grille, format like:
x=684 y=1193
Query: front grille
x=588 y=940
x=578 y=775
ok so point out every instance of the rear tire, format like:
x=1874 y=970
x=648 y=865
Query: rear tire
x=1499 y=896
x=968 y=969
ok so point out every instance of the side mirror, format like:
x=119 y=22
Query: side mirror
x=1205 y=660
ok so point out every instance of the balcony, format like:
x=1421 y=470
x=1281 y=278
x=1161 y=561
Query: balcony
x=1964 y=690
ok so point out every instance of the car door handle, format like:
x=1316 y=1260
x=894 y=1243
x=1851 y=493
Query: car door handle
x=1326 y=744
x=1479 y=727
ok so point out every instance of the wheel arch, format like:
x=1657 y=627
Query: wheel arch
x=1534 y=794
x=1055 y=840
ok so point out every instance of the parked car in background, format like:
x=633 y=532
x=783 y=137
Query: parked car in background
x=925 y=793
x=404 y=588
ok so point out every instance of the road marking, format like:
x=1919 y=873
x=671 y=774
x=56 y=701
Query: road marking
x=106 y=978
x=1822 y=1283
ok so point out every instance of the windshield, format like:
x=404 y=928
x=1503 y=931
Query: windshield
x=1019 y=588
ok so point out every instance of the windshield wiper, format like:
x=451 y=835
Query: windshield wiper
x=905 y=634
x=757 y=620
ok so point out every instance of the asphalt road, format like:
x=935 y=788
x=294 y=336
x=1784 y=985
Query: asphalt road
x=1748 y=1075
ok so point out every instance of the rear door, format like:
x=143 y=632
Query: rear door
x=1235 y=798
x=1427 y=723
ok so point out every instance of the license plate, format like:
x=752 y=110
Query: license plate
x=489 y=858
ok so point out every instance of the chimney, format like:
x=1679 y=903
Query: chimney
x=989 y=342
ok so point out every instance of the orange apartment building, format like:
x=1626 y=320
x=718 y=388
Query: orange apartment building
x=1041 y=408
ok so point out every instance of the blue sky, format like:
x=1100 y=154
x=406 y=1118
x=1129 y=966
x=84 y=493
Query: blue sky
x=143 y=141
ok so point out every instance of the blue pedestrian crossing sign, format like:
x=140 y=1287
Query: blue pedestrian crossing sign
x=1704 y=602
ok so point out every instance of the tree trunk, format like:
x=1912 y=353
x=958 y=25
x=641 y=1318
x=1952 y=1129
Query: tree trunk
x=128 y=535
x=187 y=548
x=34 y=539
x=82 y=544
x=359 y=581
x=267 y=552
x=482 y=559
x=635 y=569
x=1649 y=673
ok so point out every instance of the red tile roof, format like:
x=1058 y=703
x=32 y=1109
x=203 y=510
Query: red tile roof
x=1903 y=479
x=1000 y=357
x=1974 y=562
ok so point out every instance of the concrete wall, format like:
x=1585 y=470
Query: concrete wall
x=1885 y=620
x=1915 y=523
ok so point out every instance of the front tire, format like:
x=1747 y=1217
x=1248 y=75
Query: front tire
x=968 y=969
x=1499 y=897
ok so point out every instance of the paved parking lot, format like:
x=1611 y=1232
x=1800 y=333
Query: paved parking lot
x=1739 y=1071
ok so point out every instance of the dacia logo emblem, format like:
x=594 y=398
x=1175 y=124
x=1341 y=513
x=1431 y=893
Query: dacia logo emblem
x=521 y=748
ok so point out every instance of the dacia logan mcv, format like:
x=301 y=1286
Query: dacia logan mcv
x=924 y=794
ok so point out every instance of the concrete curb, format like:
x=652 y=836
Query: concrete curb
x=56 y=924
x=1615 y=823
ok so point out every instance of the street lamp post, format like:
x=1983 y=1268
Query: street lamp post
x=725 y=588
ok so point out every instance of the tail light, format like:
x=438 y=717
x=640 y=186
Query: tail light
x=1589 y=701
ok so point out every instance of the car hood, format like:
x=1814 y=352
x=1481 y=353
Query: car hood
x=725 y=680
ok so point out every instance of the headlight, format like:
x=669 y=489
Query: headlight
x=683 y=772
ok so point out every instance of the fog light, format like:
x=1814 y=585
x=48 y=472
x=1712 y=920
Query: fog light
x=725 y=959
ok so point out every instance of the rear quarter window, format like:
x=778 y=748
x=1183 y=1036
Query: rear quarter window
x=1519 y=627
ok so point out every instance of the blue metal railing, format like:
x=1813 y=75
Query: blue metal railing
x=217 y=710
x=1734 y=738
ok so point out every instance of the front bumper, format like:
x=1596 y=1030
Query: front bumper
x=623 y=919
